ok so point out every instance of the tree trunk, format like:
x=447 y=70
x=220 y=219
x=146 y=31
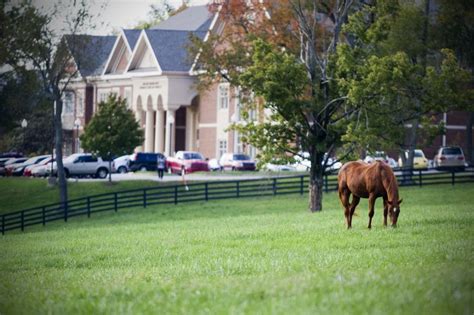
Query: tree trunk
x=316 y=194
x=316 y=184
x=58 y=127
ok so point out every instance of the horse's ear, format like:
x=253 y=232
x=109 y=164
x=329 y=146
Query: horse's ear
x=400 y=201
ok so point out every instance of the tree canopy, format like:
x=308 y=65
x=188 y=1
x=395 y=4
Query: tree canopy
x=29 y=41
x=323 y=85
x=113 y=130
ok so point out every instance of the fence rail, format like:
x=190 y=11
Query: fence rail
x=206 y=191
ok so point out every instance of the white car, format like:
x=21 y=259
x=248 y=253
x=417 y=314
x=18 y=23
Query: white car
x=237 y=162
x=214 y=165
x=381 y=156
x=84 y=164
x=42 y=170
x=279 y=167
x=304 y=164
x=120 y=164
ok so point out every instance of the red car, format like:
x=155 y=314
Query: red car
x=188 y=161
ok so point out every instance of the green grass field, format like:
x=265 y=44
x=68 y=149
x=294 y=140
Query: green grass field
x=22 y=193
x=251 y=256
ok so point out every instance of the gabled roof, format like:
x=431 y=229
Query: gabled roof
x=171 y=48
x=132 y=37
x=90 y=53
x=196 y=18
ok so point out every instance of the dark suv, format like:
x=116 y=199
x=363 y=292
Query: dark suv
x=144 y=161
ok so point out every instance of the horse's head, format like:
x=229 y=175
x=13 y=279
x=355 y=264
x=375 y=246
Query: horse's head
x=394 y=210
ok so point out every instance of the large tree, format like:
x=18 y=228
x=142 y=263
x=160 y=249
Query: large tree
x=113 y=131
x=403 y=81
x=29 y=41
x=290 y=71
x=298 y=64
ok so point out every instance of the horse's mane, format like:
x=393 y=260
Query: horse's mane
x=389 y=181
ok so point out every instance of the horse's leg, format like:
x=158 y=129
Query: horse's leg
x=344 y=195
x=385 y=211
x=372 y=199
x=354 y=203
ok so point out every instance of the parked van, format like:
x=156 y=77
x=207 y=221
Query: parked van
x=143 y=161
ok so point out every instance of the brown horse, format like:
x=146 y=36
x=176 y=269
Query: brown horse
x=369 y=181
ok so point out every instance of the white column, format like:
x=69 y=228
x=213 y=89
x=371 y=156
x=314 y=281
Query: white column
x=149 y=131
x=160 y=131
x=138 y=118
x=189 y=128
x=170 y=133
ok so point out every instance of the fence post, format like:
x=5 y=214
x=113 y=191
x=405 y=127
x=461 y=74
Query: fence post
x=238 y=189
x=144 y=198
x=44 y=215
x=23 y=220
x=326 y=183
x=65 y=211
x=420 y=178
x=452 y=178
x=274 y=187
x=115 y=202
x=88 y=207
x=176 y=194
x=301 y=184
x=206 y=191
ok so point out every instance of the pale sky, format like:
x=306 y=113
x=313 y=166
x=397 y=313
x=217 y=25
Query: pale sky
x=111 y=15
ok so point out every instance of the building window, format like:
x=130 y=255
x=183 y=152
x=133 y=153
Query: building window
x=68 y=103
x=239 y=145
x=80 y=105
x=222 y=147
x=103 y=96
x=223 y=96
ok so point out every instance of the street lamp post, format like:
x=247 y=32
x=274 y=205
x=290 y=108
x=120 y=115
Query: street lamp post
x=77 y=124
x=24 y=124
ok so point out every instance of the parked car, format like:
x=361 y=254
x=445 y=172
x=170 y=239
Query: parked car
x=3 y=160
x=273 y=167
x=303 y=163
x=419 y=160
x=20 y=168
x=121 y=164
x=451 y=158
x=381 y=156
x=143 y=161
x=84 y=164
x=29 y=169
x=12 y=163
x=43 y=170
x=214 y=165
x=187 y=161
x=237 y=162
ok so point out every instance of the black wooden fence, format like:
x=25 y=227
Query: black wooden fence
x=145 y=197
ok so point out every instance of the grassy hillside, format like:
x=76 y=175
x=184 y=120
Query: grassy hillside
x=265 y=256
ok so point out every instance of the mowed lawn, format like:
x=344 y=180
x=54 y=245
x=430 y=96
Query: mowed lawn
x=248 y=256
